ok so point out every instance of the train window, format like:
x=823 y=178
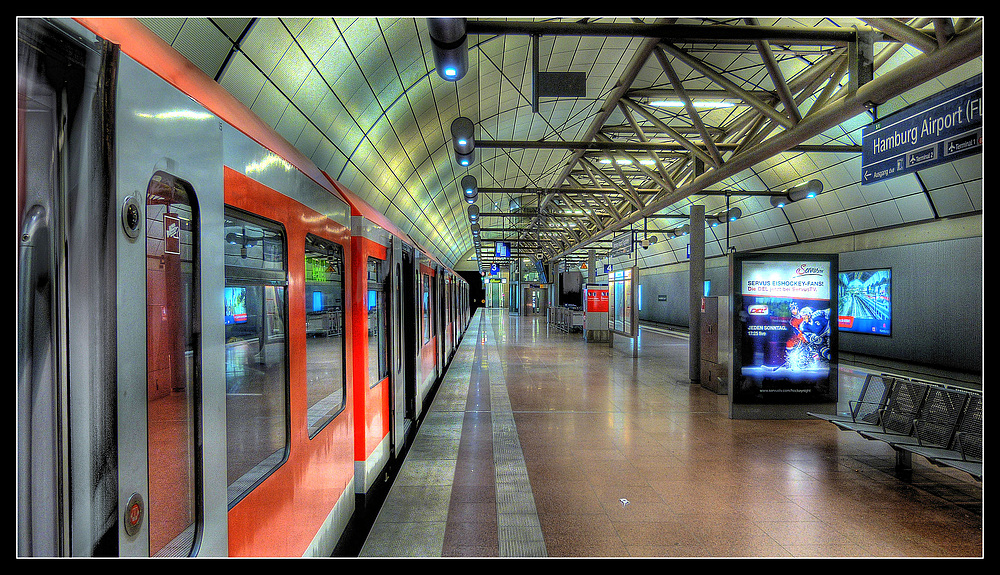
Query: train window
x=256 y=351
x=326 y=379
x=172 y=359
x=378 y=366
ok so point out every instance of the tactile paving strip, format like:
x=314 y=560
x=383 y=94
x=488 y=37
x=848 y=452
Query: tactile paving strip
x=519 y=532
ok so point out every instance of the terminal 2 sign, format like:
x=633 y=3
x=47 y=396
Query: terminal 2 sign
x=939 y=129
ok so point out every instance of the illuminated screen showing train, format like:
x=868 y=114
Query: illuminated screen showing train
x=866 y=301
x=236 y=305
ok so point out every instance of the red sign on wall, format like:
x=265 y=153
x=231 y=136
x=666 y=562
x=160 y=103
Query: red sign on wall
x=597 y=299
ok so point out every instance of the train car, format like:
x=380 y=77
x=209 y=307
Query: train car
x=190 y=299
x=397 y=359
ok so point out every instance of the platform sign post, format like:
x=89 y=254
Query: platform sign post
x=784 y=335
x=942 y=128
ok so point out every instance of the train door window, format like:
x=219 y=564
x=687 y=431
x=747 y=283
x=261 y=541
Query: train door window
x=326 y=376
x=378 y=366
x=172 y=364
x=256 y=350
x=425 y=303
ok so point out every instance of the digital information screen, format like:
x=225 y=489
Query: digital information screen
x=785 y=329
x=865 y=301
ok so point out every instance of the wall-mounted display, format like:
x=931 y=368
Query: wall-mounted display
x=236 y=305
x=865 y=301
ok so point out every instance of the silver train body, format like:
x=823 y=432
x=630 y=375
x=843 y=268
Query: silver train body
x=173 y=393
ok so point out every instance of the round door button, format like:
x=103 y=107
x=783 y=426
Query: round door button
x=133 y=514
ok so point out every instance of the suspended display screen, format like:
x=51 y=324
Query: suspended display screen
x=786 y=330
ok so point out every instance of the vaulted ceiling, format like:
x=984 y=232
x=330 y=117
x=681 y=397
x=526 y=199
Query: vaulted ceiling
x=557 y=174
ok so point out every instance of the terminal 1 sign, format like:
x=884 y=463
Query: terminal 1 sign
x=942 y=128
x=786 y=329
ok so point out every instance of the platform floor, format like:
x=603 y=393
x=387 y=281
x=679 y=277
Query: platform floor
x=539 y=444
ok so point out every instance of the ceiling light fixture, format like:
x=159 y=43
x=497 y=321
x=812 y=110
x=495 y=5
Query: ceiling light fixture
x=463 y=140
x=450 y=47
x=470 y=188
x=803 y=191
x=730 y=216
x=698 y=104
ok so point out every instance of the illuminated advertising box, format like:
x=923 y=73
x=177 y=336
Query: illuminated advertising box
x=865 y=298
x=786 y=329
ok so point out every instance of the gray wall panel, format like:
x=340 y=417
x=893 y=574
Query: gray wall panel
x=937 y=293
x=937 y=299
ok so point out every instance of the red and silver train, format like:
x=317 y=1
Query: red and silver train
x=220 y=349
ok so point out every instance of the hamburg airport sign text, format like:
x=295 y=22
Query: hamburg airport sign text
x=942 y=128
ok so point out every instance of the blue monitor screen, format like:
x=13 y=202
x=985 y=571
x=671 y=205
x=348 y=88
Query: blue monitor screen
x=317 y=301
x=865 y=298
x=236 y=305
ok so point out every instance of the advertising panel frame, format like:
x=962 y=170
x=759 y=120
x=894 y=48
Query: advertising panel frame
x=870 y=322
x=785 y=335
x=622 y=314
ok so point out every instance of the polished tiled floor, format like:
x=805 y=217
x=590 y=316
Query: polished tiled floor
x=539 y=444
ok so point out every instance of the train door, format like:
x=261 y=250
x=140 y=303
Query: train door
x=403 y=351
x=110 y=453
x=440 y=326
x=66 y=458
x=449 y=320
x=170 y=362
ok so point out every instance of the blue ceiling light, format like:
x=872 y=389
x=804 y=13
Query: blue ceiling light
x=470 y=189
x=730 y=216
x=809 y=189
x=449 y=43
x=463 y=140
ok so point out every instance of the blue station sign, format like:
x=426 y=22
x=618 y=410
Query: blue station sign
x=942 y=128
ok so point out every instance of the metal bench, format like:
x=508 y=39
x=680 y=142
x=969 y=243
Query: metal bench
x=898 y=413
x=868 y=406
x=934 y=426
x=939 y=423
x=964 y=450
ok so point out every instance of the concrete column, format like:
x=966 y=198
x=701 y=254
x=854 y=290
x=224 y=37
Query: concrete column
x=591 y=266
x=697 y=289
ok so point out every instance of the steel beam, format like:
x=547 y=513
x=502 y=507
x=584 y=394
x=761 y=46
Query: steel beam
x=693 y=33
x=962 y=48
x=644 y=146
